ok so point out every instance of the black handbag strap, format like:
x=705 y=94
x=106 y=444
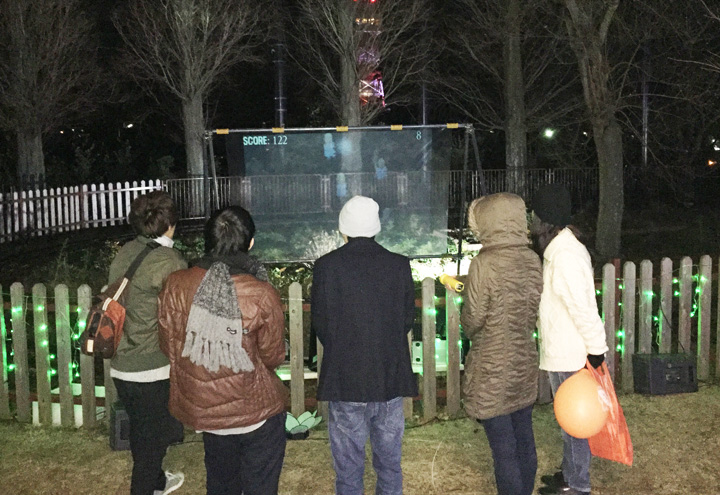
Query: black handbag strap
x=140 y=257
x=130 y=272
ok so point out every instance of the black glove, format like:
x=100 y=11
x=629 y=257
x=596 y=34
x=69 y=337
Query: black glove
x=596 y=360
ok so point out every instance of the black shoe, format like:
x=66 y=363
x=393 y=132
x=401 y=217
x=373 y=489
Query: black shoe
x=560 y=490
x=554 y=480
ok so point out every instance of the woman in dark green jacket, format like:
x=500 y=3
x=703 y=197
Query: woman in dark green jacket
x=140 y=371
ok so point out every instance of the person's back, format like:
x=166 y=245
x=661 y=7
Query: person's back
x=362 y=310
x=140 y=371
x=502 y=293
x=222 y=326
x=363 y=302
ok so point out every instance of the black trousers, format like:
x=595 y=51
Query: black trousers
x=247 y=464
x=152 y=429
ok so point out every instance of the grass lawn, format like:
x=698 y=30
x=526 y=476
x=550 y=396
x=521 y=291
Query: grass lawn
x=676 y=440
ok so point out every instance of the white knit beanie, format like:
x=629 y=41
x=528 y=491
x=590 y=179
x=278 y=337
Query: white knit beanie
x=359 y=217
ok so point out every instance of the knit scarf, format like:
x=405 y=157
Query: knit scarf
x=214 y=330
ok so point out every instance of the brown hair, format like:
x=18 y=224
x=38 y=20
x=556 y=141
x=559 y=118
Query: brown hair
x=152 y=214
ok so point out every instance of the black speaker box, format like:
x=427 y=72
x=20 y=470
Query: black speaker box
x=660 y=374
x=119 y=427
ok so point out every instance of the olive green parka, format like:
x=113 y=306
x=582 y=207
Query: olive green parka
x=502 y=295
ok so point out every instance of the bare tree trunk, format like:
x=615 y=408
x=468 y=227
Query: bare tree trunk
x=31 y=161
x=608 y=142
x=350 y=103
x=515 y=123
x=194 y=125
x=588 y=32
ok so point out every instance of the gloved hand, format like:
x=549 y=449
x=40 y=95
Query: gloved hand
x=596 y=360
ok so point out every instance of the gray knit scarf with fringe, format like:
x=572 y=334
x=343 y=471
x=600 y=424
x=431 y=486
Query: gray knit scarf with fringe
x=214 y=331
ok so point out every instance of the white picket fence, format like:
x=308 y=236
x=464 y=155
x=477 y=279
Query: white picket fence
x=48 y=211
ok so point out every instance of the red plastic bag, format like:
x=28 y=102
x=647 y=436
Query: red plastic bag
x=613 y=441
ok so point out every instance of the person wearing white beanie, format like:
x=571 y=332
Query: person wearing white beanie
x=360 y=217
x=363 y=306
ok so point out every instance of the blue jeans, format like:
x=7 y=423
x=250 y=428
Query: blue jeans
x=576 y=451
x=349 y=426
x=513 y=449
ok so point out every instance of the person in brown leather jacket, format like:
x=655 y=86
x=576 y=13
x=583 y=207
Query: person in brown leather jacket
x=222 y=327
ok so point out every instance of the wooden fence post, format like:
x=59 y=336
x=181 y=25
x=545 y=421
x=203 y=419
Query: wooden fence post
x=452 y=326
x=686 y=283
x=4 y=386
x=609 y=286
x=322 y=405
x=628 y=325
x=42 y=354
x=64 y=355
x=666 y=305
x=408 y=401
x=20 y=348
x=429 y=393
x=110 y=391
x=87 y=364
x=84 y=207
x=297 y=367
x=645 y=300
x=704 y=289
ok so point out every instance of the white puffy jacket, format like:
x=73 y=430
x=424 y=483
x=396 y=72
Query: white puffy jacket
x=569 y=324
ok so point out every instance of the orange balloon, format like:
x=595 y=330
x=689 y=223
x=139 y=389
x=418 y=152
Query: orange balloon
x=579 y=408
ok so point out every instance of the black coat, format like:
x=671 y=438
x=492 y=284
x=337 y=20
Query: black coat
x=363 y=306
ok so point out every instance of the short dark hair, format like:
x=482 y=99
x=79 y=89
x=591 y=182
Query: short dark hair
x=152 y=214
x=229 y=231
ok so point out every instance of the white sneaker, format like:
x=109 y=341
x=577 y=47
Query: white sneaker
x=173 y=481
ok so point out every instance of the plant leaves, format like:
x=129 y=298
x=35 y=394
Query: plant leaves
x=299 y=429
x=304 y=417
x=290 y=422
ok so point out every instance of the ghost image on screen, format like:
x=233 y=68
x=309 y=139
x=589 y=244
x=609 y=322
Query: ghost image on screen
x=380 y=169
x=341 y=187
x=328 y=146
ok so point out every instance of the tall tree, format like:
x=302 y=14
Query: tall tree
x=47 y=72
x=184 y=47
x=518 y=81
x=340 y=43
x=587 y=25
